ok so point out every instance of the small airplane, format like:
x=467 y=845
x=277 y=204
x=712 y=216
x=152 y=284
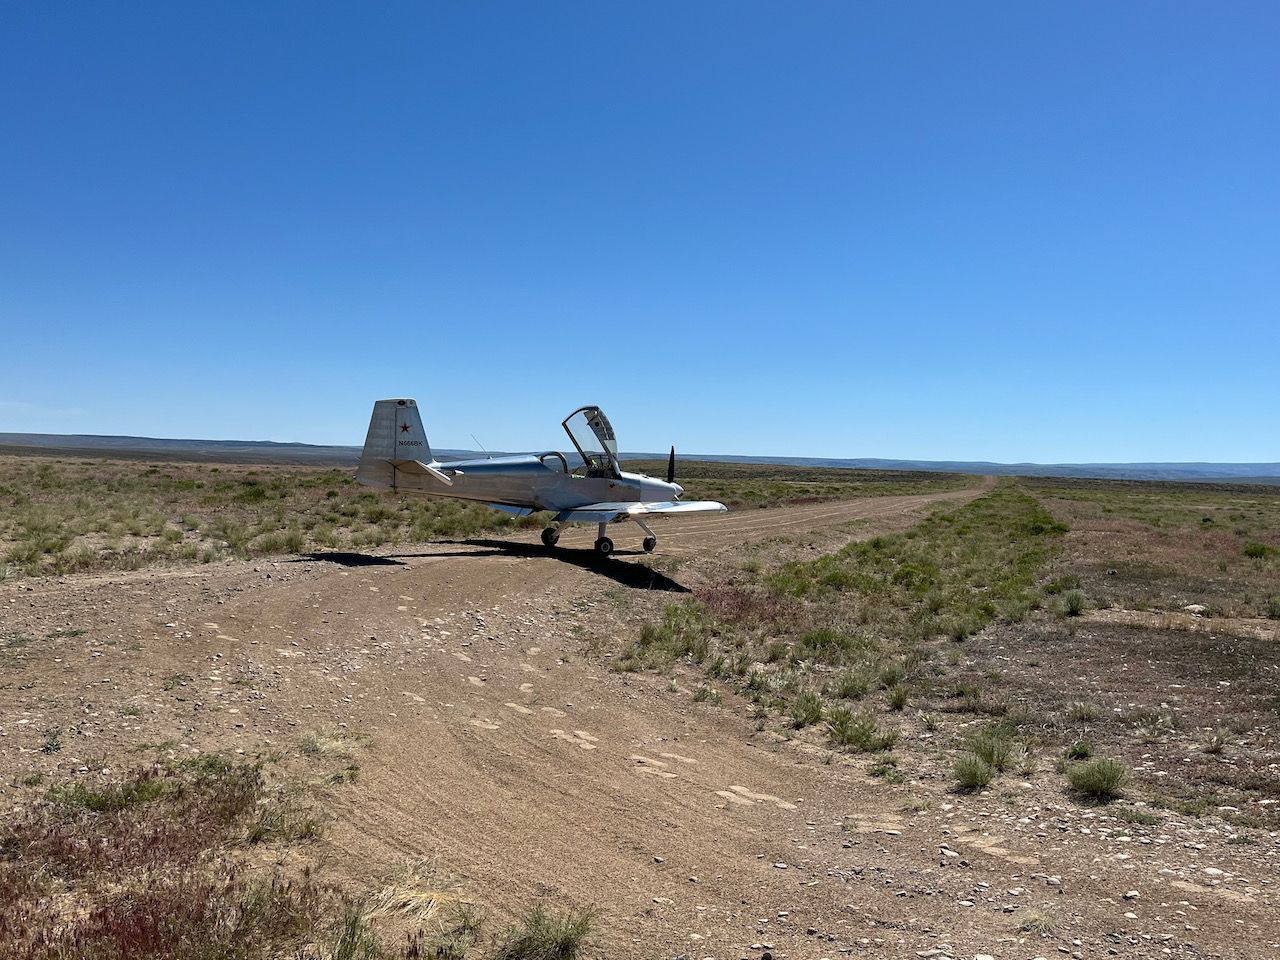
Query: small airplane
x=397 y=456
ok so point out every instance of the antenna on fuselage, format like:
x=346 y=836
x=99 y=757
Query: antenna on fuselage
x=481 y=446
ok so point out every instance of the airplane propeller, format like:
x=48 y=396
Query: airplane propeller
x=671 y=466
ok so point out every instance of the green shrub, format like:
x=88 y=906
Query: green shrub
x=851 y=684
x=897 y=695
x=1074 y=603
x=1080 y=750
x=859 y=731
x=993 y=745
x=972 y=772
x=805 y=709
x=544 y=935
x=1257 y=550
x=1099 y=780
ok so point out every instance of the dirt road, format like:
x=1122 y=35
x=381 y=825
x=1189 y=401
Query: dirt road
x=488 y=738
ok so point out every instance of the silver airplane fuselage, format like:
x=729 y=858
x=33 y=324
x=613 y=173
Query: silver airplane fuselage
x=537 y=482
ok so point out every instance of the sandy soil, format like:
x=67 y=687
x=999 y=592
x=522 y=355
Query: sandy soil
x=492 y=734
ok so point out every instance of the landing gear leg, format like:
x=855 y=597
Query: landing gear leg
x=604 y=546
x=651 y=540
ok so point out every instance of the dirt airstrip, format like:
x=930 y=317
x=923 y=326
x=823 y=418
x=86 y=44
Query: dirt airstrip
x=472 y=684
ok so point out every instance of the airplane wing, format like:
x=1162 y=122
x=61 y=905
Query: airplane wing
x=607 y=512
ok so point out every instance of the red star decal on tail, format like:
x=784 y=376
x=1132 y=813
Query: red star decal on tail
x=404 y=428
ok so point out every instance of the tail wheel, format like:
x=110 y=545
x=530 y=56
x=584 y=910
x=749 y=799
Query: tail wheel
x=604 y=546
x=550 y=537
x=649 y=544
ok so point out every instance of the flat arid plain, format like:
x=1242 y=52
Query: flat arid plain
x=252 y=711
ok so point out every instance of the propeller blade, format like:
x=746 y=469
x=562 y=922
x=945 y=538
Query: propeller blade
x=671 y=466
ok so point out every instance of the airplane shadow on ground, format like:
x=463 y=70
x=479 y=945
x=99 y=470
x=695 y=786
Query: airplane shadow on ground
x=634 y=575
x=344 y=559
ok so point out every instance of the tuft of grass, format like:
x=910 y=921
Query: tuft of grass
x=685 y=631
x=328 y=743
x=859 y=731
x=1082 y=712
x=1099 y=780
x=458 y=934
x=1136 y=816
x=851 y=684
x=886 y=769
x=707 y=695
x=1037 y=921
x=972 y=772
x=1257 y=551
x=284 y=820
x=143 y=788
x=1216 y=743
x=805 y=709
x=348 y=774
x=355 y=939
x=544 y=934
x=1080 y=750
x=421 y=892
x=993 y=745
x=897 y=697
x=1074 y=603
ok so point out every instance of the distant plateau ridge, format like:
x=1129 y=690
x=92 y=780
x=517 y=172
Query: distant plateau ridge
x=269 y=451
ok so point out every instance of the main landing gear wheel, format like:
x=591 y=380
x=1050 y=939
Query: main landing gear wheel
x=649 y=544
x=550 y=537
x=604 y=546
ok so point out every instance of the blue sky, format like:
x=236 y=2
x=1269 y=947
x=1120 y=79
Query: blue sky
x=1000 y=231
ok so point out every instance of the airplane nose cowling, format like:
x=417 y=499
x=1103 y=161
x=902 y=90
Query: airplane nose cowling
x=655 y=491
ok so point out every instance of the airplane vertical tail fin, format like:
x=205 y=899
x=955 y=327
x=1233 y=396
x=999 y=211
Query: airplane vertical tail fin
x=395 y=436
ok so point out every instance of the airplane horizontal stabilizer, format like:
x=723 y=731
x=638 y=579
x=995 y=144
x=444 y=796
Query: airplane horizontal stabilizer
x=420 y=468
